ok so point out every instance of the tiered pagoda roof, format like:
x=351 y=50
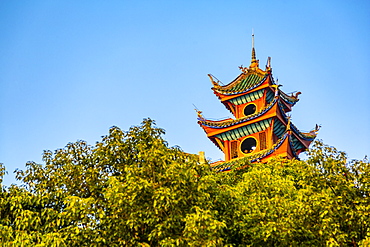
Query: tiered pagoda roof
x=260 y=112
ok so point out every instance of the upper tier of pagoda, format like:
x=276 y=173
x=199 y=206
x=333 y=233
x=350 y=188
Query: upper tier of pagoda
x=261 y=127
x=248 y=85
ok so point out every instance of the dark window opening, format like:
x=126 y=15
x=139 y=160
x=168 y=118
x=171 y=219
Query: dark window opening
x=234 y=149
x=274 y=138
x=248 y=145
x=249 y=109
x=263 y=144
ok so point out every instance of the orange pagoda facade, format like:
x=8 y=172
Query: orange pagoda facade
x=261 y=127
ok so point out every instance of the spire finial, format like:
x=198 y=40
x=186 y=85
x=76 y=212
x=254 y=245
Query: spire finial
x=253 y=51
x=254 y=61
x=252 y=37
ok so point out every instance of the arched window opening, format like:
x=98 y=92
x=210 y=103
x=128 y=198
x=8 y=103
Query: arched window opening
x=249 y=109
x=248 y=145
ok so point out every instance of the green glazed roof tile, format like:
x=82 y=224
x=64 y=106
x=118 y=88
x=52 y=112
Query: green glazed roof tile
x=245 y=130
x=242 y=85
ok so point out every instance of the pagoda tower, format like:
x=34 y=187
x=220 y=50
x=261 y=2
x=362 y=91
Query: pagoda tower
x=261 y=127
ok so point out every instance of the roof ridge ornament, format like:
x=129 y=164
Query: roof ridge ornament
x=199 y=113
x=243 y=69
x=216 y=82
x=295 y=96
x=316 y=130
x=289 y=122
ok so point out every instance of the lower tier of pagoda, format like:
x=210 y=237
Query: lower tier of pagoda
x=282 y=148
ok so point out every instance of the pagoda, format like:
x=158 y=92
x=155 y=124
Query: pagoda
x=261 y=127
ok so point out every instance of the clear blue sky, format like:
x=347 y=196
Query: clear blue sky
x=69 y=70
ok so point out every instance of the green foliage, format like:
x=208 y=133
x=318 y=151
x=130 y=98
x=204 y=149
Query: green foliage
x=132 y=189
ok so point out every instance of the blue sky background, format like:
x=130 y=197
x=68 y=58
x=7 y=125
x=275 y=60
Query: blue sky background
x=69 y=70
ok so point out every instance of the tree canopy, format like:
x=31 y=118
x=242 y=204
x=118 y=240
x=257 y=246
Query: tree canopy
x=132 y=189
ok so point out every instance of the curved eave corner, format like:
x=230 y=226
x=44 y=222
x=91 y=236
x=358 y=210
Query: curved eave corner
x=305 y=137
x=200 y=121
x=290 y=100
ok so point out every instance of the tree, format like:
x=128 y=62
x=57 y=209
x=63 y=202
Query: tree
x=129 y=189
x=132 y=189
x=321 y=201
